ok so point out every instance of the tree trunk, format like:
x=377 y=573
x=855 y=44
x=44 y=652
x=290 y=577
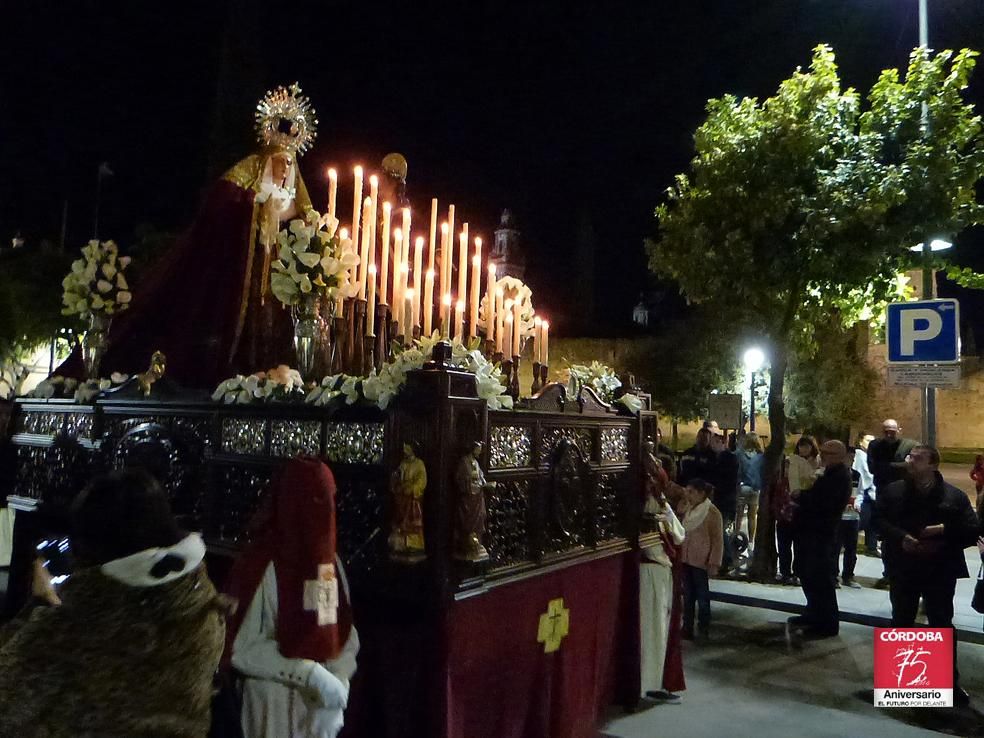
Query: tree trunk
x=763 y=567
x=676 y=434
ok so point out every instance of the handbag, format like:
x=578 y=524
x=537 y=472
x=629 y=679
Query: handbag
x=978 y=602
x=784 y=506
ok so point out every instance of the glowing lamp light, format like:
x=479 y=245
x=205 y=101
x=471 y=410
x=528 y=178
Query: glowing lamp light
x=753 y=359
x=937 y=244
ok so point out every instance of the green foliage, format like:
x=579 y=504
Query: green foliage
x=30 y=296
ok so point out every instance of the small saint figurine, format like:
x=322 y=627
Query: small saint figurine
x=407 y=486
x=470 y=523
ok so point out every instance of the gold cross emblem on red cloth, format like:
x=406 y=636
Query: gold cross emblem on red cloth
x=554 y=625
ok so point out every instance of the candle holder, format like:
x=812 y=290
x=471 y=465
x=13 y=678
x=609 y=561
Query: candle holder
x=339 y=342
x=535 y=387
x=543 y=375
x=368 y=354
x=514 y=380
x=358 y=333
x=348 y=356
x=505 y=366
x=382 y=334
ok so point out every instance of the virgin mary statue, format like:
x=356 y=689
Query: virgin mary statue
x=208 y=304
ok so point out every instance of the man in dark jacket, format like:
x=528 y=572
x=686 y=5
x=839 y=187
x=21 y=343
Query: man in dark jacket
x=886 y=462
x=695 y=461
x=722 y=472
x=817 y=518
x=925 y=525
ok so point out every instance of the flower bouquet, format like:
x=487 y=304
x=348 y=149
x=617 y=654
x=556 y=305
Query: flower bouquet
x=96 y=289
x=278 y=384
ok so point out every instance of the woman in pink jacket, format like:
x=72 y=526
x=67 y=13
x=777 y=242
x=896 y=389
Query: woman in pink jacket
x=701 y=555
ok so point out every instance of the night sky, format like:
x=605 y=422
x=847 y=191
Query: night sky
x=573 y=115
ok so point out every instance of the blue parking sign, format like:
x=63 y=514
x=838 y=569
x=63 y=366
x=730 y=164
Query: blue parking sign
x=924 y=332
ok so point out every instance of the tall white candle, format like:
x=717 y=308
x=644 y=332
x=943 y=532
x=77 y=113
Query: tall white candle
x=507 y=331
x=490 y=305
x=405 y=315
x=517 y=329
x=385 y=244
x=537 y=323
x=499 y=319
x=428 y=303
x=476 y=279
x=373 y=197
x=371 y=304
x=408 y=315
x=356 y=216
x=332 y=191
x=418 y=273
x=407 y=236
x=445 y=259
x=397 y=251
x=446 y=315
x=433 y=235
x=544 y=343
x=459 y=321
x=463 y=264
x=364 y=252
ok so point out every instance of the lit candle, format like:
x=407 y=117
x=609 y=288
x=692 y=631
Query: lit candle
x=332 y=191
x=356 y=211
x=463 y=263
x=459 y=321
x=507 y=330
x=364 y=253
x=371 y=305
x=536 y=339
x=446 y=315
x=384 y=274
x=418 y=274
x=517 y=328
x=405 y=315
x=476 y=279
x=499 y=320
x=445 y=287
x=397 y=251
x=433 y=235
x=490 y=305
x=373 y=197
x=544 y=343
x=408 y=316
x=343 y=235
x=428 y=303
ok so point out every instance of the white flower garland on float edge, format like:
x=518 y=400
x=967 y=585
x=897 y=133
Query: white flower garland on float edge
x=379 y=388
x=81 y=392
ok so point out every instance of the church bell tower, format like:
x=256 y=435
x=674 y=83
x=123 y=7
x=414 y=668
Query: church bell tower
x=506 y=253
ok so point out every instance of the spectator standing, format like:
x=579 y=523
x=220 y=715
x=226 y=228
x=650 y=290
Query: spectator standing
x=847 y=530
x=666 y=456
x=723 y=475
x=977 y=474
x=887 y=462
x=750 y=459
x=701 y=555
x=802 y=473
x=816 y=523
x=866 y=491
x=133 y=647
x=926 y=524
x=695 y=461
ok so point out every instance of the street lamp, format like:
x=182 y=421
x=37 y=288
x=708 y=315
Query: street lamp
x=753 y=360
x=929 y=292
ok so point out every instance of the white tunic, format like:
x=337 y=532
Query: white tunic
x=275 y=704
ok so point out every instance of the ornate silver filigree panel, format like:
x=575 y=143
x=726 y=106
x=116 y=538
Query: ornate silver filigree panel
x=615 y=444
x=243 y=435
x=79 y=425
x=293 y=437
x=580 y=436
x=355 y=443
x=45 y=424
x=510 y=446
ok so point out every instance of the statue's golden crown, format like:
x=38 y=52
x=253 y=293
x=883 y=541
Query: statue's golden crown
x=285 y=119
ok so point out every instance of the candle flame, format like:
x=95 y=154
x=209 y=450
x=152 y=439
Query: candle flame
x=447 y=299
x=478 y=242
x=386 y=207
x=374 y=180
x=546 y=325
x=430 y=274
x=409 y=293
x=358 y=170
x=509 y=304
x=332 y=174
x=509 y=318
x=498 y=290
x=406 y=212
x=398 y=234
x=404 y=267
x=476 y=260
x=420 y=242
x=372 y=269
x=460 y=307
x=343 y=234
x=492 y=270
x=444 y=228
x=367 y=202
x=536 y=320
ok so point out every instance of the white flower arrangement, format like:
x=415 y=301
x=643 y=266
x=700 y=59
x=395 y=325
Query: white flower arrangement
x=12 y=376
x=81 y=392
x=312 y=258
x=516 y=290
x=279 y=384
x=600 y=377
x=97 y=284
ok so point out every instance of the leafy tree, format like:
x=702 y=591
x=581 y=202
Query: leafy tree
x=799 y=210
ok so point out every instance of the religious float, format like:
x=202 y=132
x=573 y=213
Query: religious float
x=490 y=539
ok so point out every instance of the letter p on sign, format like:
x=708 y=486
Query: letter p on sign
x=926 y=332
